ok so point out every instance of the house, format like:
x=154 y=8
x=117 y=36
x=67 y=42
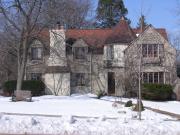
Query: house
x=92 y=60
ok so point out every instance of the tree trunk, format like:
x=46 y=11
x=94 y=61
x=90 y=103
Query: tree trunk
x=20 y=77
x=22 y=58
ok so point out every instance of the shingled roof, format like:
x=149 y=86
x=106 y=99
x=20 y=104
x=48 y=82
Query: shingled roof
x=121 y=33
x=93 y=37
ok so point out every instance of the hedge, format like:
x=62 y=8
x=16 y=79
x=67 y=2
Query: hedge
x=36 y=87
x=158 y=92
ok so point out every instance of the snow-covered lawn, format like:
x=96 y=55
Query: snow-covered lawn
x=99 y=117
x=170 y=106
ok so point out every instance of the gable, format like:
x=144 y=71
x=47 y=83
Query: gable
x=150 y=36
x=80 y=43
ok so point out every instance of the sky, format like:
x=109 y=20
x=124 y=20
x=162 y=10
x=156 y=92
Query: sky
x=159 y=13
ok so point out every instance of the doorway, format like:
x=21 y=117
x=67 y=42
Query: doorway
x=111 y=83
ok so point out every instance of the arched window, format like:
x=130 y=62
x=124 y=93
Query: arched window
x=36 y=50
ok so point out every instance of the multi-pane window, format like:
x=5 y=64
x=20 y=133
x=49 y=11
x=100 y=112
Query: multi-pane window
x=150 y=77
x=151 y=50
x=36 y=53
x=36 y=76
x=79 y=79
x=80 y=52
x=153 y=77
x=110 y=52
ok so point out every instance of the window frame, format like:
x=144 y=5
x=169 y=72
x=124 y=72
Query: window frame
x=151 y=50
x=34 y=53
x=80 y=54
x=153 y=77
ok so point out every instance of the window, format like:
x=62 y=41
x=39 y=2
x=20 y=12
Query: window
x=110 y=52
x=145 y=50
x=145 y=77
x=80 y=79
x=150 y=77
x=80 y=52
x=36 y=53
x=36 y=76
x=153 y=77
x=156 y=80
x=150 y=50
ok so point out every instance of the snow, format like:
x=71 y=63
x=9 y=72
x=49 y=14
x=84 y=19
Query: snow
x=169 y=106
x=81 y=115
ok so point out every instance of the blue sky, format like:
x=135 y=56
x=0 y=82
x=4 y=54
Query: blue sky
x=159 y=13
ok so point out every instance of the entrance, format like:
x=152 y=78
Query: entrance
x=111 y=83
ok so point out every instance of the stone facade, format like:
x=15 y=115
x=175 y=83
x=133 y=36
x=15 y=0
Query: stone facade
x=83 y=61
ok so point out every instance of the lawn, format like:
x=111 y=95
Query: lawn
x=81 y=115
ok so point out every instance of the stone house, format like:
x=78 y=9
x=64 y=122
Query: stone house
x=92 y=60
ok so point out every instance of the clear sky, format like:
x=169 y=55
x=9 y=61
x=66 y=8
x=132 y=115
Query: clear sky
x=159 y=13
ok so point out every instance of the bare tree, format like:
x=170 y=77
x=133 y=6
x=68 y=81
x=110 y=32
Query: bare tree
x=70 y=13
x=22 y=18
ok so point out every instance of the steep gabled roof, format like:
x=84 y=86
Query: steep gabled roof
x=161 y=31
x=121 y=33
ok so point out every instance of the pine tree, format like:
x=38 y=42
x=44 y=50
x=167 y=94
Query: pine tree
x=142 y=21
x=109 y=13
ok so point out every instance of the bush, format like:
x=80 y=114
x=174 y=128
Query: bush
x=158 y=92
x=36 y=87
x=128 y=104
x=136 y=108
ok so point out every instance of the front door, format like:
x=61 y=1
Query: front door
x=111 y=83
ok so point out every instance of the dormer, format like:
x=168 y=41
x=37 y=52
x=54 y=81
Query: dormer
x=80 y=50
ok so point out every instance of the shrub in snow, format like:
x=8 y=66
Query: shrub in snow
x=157 y=92
x=136 y=107
x=36 y=87
x=101 y=94
x=128 y=104
x=34 y=121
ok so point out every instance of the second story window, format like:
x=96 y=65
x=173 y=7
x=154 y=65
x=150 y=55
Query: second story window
x=150 y=50
x=110 y=52
x=36 y=53
x=80 y=52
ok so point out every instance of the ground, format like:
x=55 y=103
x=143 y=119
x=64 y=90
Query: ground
x=82 y=115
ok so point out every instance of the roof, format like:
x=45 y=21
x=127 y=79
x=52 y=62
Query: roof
x=93 y=37
x=121 y=33
x=161 y=31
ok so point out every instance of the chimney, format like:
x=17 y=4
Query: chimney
x=59 y=26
